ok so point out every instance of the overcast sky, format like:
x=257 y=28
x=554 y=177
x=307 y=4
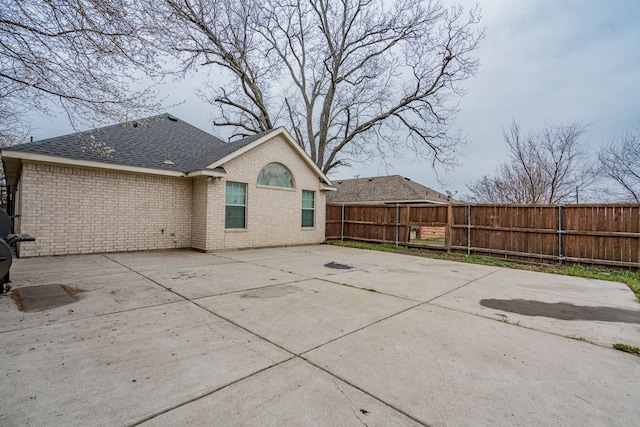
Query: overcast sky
x=542 y=61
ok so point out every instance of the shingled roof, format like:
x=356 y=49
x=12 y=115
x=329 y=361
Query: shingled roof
x=384 y=189
x=160 y=144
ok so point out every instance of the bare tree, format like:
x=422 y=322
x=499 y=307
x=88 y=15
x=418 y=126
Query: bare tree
x=85 y=56
x=12 y=128
x=352 y=79
x=620 y=163
x=549 y=166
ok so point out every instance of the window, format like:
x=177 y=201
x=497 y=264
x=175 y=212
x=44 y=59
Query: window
x=236 y=205
x=308 y=208
x=276 y=175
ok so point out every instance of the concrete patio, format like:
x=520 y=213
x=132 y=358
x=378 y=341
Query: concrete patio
x=315 y=335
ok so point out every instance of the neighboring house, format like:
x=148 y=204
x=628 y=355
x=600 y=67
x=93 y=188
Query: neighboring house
x=384 y=189
x=161 y=183
x=391 y=189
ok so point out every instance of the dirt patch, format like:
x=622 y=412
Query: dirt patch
x=563 y=310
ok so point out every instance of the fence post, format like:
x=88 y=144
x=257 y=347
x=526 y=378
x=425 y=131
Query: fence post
x=560 y=232
x=342 y=223
x=449 y=229
x=468 y=230
x=408 y=225
x=397 y=221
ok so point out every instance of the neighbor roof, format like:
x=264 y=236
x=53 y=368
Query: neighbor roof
x=162 y=143
x=384 y=189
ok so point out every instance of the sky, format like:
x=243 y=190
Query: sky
x=541 y=61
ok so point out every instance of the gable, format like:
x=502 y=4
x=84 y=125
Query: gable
x=289 y=144
x=247 y=166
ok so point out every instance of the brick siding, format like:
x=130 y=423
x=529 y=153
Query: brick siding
x=73 y=210
x=432 y=232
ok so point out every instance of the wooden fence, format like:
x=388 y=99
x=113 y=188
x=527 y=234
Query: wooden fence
x=601 y=234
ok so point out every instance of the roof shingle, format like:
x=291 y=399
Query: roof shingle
x=159 y=142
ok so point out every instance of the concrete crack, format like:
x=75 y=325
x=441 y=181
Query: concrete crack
x=353 y=407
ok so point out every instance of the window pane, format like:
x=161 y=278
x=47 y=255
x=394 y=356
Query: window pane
x=308 y=199
x=236 y=193
x=234 y=217
x=276 y=175
x=307 y=218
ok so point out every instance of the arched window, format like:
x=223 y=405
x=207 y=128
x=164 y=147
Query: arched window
x=276 y=175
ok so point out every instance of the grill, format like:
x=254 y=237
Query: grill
x=7 y=238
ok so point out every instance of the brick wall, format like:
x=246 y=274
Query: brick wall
x=74 y=210
x=199 y=214
x=432 y=232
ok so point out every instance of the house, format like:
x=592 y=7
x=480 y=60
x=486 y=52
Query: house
x=384 y=189
x=160 y=183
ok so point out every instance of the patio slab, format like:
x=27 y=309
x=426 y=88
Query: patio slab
x=306 y=314
x=360 y=256
x=291 y=394
x=121 y=368
x=204 y=281
x=315 y=265
x=165 y=259
x=402 y=280
x=44 y=270
x=444 y=367
x=254 y=255
x=458 y=270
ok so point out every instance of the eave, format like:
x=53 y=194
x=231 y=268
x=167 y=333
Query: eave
x=13 y=160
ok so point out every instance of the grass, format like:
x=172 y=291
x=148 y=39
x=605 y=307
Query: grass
x=630 y=278
x=627 y=348
x=505 y=319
